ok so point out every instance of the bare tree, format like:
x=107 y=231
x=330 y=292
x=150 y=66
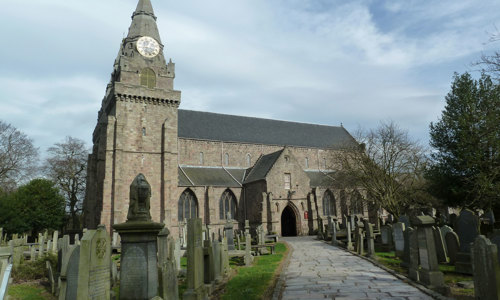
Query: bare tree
x=491 y=62
x=18 y=156
x=66 y=165
x=388 y=164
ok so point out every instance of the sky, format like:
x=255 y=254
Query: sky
x=330 y=62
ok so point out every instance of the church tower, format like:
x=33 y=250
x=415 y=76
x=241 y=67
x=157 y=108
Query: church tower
x=136 y=129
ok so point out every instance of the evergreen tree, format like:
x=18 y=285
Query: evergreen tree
x=466 y=168
x=34 y=207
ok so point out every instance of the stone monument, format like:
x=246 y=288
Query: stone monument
x=485 y=269
x=139 y=272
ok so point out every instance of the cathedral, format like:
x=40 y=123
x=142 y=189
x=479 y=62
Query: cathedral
x=220 y=168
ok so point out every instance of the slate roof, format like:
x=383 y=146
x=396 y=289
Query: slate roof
x=229 y=128
x=210 y=176
x=319 y=178
x=262 y=166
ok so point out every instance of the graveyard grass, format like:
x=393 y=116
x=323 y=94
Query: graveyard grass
x=451 y=278
x=253 y=282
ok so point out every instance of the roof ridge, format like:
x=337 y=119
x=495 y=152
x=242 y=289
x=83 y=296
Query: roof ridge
x=260 y=118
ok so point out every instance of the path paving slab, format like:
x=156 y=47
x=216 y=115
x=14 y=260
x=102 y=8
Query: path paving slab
x=321 y=271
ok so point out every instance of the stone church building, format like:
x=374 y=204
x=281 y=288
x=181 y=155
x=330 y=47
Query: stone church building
x=201 y=164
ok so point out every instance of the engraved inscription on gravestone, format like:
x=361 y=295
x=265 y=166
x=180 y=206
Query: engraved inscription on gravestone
x=72 y=274
x=135 y=260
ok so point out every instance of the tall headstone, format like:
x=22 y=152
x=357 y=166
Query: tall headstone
x=208 y=264
x=467 y=229
x=69 y=274
x=229 y=232
x=440 y=249
x=486 y=269
x=217 y=262
x=195 y=274
x=386 y=237
x=360 y=247
x=138 y=267
x=224 y=258
x=177 y=255
x=399 y=239
x=405 y=220
x=444 y=230
x=495 y=239
x=167 y=266
x=94 y=272
x=349 y=242
x=370 y=238
x=453 y=245
x=334 y=232
x=405 y=260
x=55 y=238
x=248 y=250
x=428 y=272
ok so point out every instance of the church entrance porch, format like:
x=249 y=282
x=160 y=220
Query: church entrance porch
x=288 y=222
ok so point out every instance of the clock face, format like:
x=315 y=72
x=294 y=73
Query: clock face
x=148 y=47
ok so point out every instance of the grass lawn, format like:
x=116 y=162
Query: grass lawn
x=29 y=291
x=252 y=282
x=451 y=278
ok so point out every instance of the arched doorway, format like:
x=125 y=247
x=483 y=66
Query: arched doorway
x=288 y=222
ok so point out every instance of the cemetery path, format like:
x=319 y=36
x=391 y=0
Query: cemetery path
x=321 y=271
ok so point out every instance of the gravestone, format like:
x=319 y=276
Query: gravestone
x=139 y=262
x=399 y=239
x=69 y=274
x=405 y=220
x=442 y=256
x=55 y=238
x=94 y=272
x=17 y=251
x=224 y=258
x=349 y=242
x=334 y=231
x=386 y=237
x=248 y=250
x=208 y=265
x=5 y=271
x=195 y=287
x=41 y=244
x=167 y=276
x=32 y=253
x=177 y=255
x=453 y=245
x=229 y=232
x=444 y=230
x=428 y=272
x=467 y=229
x=360 y=248
x=217 y=262
x=485 y=269
x=50 y=275
x=405 y=263
x=495 y=239
x=487 y=222
x=370 y=238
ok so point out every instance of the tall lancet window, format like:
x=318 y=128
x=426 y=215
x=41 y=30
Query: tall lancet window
x=249 y=160
x=226 y=159
x=148 y=78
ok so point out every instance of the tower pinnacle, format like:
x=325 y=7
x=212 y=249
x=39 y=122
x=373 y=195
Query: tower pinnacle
x=144 y=22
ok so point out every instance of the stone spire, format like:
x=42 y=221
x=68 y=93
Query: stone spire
x=144 y=22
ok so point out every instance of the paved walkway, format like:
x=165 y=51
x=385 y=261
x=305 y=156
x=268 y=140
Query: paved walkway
x=321 y=271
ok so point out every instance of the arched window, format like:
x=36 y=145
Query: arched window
x=227 y=204
x=249 y=160
x=143 y=131
x=226 y=159
x=201 y=158
x=324 y=163
x=148 y=78
x=329 y=207
x=307 y=162
x=188 y=206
